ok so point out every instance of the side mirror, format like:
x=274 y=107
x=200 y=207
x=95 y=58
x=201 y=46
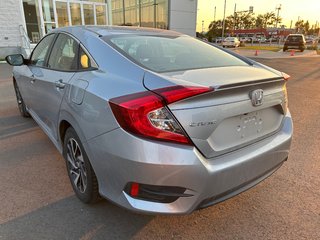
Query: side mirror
x=15 y=60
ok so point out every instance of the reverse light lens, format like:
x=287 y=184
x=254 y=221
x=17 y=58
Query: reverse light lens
x=145 y=114
x=163 y=120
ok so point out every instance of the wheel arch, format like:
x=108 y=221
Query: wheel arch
x=66 y=120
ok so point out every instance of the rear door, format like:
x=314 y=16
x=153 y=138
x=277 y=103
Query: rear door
x=51 y=84
x=35 y=68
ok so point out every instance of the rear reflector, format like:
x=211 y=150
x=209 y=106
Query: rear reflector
x=145 y=113
x=154 y=193
x=134 y=189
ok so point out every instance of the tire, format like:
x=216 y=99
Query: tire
x=82 y=177
x=21 y=105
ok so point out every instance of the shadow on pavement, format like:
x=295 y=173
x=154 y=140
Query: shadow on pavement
x=5 y=71
x=71 y=219
x=11 y=126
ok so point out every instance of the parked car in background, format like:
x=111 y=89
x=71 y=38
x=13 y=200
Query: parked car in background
x=316 y=41
x=309 y=39
x=154 y=120
x=261 y=39
x=231 y=42
x=295 y=41
x=218 y=40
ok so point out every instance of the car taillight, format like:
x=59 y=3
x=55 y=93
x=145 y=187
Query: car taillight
x=285 y=76
x=145 y=114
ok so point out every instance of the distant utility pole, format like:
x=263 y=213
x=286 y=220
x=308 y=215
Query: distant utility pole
x=215 y=12
x=224 y=17
x=236 y=14
x=235 y=17
x=291 y=24
x=278 y=9
x=202 y=26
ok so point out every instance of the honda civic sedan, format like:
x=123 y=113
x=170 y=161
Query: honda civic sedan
x=153 y=120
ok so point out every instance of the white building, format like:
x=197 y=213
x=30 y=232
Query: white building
x=24 y=22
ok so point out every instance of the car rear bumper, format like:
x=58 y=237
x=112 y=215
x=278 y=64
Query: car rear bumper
x=229 y=44
x=120 y=158
x=294 y=45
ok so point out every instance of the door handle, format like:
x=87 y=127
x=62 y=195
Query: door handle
x=60 y=84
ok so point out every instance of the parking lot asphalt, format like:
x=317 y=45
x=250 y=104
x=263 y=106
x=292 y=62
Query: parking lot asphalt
x=280 y=54
x=37 y=201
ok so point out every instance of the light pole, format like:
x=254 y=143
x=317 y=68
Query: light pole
x=278 y=9
x=215 y=12
x=224 y=17
x=202 y=26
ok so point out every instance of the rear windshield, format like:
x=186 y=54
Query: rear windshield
x=294 y=38
x=166 y=54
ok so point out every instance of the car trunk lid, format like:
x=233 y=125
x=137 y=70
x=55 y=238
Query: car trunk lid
x=225 y=119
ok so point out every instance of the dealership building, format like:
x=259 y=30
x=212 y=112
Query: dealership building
x=24 y=22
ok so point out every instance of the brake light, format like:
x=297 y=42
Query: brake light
x=176 y=93
x=145 y=113
x=285 y=76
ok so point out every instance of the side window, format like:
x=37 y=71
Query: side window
x=85 y=62
x=40 y=52
x=64 y=54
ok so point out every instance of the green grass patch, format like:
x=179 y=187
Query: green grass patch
x=265 y=48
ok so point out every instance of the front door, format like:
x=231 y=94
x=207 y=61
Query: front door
x=35 y=68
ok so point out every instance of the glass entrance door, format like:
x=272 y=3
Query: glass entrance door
x=41 y=16
x=48 y=15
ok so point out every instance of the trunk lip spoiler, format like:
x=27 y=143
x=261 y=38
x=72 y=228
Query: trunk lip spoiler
x=247 y=83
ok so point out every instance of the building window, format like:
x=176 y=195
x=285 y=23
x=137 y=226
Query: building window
x=62 y=13
x=144 y=13
x=117 y=12
x=47 y=8
x=31 y=13
x=88 y=14
x=147 y=13
x=101 y=14
x=131 y=12
x=162 y=14
x=75 y=11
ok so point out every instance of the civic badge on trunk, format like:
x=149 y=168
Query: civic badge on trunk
x=256 y=97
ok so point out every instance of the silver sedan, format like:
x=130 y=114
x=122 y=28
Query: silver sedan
x=154 y=120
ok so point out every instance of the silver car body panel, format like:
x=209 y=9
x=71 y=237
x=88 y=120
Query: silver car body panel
x=218 y=166
x=175 y=165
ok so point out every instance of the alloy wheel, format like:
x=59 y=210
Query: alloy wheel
x=76 y=166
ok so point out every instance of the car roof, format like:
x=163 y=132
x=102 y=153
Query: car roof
x=118 y=30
